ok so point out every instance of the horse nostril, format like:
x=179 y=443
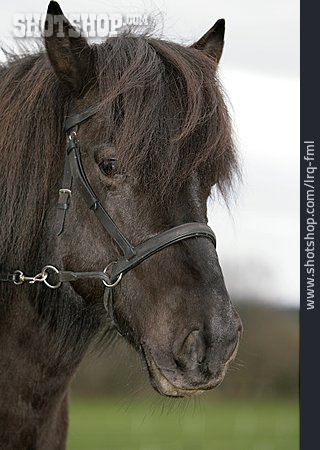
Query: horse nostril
x=192 y=351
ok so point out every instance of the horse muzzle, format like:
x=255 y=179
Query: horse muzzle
x=193 y=369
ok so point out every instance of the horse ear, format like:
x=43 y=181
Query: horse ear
x=212 y=42
x=68 y=52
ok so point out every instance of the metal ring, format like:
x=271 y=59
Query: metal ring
x=21 y=281
x=72 y=136
x=55 y=270
x=117 y=280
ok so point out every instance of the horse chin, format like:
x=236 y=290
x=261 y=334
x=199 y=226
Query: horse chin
x=165 y=387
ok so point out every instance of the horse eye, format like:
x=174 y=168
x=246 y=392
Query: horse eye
x=108 y=167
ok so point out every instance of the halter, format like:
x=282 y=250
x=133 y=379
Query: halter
x=75 y=177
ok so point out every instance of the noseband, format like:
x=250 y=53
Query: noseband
x=75 y=177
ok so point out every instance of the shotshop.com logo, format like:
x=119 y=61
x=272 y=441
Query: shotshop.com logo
x=91 y=25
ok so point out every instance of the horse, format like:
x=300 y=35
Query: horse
x=109 y=152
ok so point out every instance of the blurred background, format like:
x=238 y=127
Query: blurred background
x=256 y=408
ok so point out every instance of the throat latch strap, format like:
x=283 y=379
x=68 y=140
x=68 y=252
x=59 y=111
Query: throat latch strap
x=9 y=277
x=74 y=174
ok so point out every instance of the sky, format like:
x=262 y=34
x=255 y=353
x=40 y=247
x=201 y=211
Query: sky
x=258 y=235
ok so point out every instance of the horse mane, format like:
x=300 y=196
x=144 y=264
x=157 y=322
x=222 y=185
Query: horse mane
x=174 y=119
x=31 y=110
x=163 y=109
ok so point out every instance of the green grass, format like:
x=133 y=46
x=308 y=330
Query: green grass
x=113 y=425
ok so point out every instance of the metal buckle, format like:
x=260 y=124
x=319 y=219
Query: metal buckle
x=65 y=191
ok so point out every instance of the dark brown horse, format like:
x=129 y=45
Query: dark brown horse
x=159 y=141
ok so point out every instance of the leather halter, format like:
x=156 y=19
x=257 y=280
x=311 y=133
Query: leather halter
x=75 y=178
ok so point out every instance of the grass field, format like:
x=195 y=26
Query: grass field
x=106 y=425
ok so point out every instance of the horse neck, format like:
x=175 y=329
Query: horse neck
x=41 y=347
x=43 y=334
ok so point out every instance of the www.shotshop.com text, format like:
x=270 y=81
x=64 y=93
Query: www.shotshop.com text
x=310 y=223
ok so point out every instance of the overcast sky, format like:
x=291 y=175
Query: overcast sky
x=258 y=240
